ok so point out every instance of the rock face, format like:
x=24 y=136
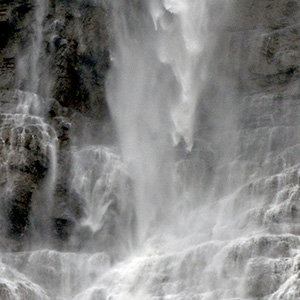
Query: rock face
x=28 y=154
x=25 y=160
x=78 y=45
x=245 y=159
x=76 y=39
x=35 y=128
x=257 y=148
x=265 y=34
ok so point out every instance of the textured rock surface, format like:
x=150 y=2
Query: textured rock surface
x=78 y=45
x=74 y=50
x=76 y=39
x=26 y=146
x=265 y=38
x=261 y=42
x=247 y=148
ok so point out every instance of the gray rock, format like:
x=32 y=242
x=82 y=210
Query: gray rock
x=26 y=150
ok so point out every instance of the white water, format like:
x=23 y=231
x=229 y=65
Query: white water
x=26 y=137
x=101 y=179
x=156 y=223
x=153 y=95
x=32 y=65
x=181 y=44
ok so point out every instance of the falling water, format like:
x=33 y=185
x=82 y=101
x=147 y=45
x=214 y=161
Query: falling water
x=25 y=133
x=180 y=45
x=198 y=197
x=157 y=61
x=210 y=241
x=31 y=66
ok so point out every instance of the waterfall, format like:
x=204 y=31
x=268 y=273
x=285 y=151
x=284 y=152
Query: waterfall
x=180 y=45
x=31 y=65
x=27 y=138
x=158 y=73
x=197 y=195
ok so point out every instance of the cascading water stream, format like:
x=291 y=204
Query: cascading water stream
x=30 y=65
x=32 y=71
x=180 y=44
x=24 y=131
x=212 y=249
x=193 y=201
x=153 y=94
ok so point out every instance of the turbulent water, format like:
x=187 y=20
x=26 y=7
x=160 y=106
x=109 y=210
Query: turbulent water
x=198 y=197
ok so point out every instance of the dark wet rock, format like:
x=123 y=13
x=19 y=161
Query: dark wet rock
x=12 y=20
x=74 y=53
x=263 y=40
x=26 y=151
x=67 y=211
x=67 y=203
x=75 y=61
x=79 y=56
x=63 y=227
